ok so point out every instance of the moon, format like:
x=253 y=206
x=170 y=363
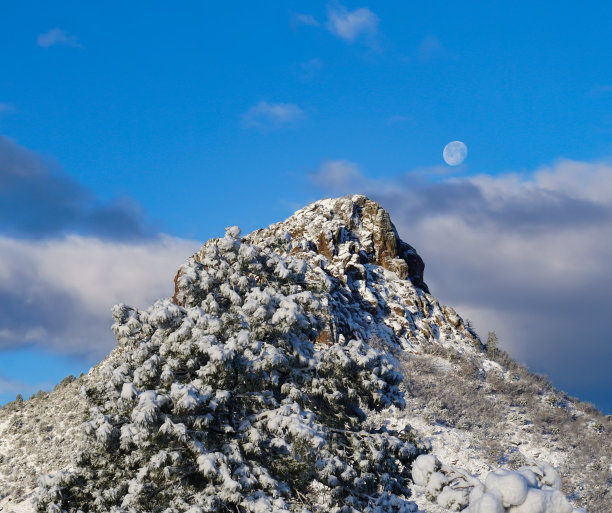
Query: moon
x=454 y=153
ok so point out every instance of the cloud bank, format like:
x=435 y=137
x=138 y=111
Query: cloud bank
x=527 y=255
x=66 y=257
x=38 y=199
x=57 y=293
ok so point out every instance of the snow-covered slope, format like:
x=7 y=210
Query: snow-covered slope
x=271 y=382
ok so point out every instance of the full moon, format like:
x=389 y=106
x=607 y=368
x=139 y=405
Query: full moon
x=454 y=153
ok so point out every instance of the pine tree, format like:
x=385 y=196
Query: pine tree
x=492 y=342
x=223 y=402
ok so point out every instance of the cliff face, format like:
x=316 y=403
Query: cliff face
x=343 y=227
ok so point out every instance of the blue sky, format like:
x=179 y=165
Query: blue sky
x=140 y=130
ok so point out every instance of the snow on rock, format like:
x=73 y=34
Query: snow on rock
x=360 y=259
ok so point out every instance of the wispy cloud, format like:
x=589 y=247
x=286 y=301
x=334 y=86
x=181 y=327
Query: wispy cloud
x=600 y=90
x=352 y=25
x=310 y=69
x=526 y=254
x=397 y=118
x=429 y=48
x=38 y=200
x=57 y=37
x=340 y=176
x=271 y=116
x=307 y=20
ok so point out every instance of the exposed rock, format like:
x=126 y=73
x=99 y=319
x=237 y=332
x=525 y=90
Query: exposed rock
x=354 y=243
x=339 y=228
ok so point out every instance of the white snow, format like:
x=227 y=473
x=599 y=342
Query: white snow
x=512 y=486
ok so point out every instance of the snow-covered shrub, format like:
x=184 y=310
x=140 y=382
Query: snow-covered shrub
x=512 y=486
x=224 y=403
x=532 y=489
x=442 y=485
x=423 y=468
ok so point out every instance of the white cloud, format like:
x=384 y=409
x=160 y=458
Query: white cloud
x=57 y=36
x=525 y=254
x=396 y=119
x=345 y=177
x=57 y=293
x=335 y=175
x=351 y=25
x=271 y=116
x=304 y=19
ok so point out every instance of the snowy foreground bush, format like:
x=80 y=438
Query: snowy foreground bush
x=533 y=489
x=226 y=404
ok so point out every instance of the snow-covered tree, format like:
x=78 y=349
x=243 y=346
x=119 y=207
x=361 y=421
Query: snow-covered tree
x=222 y=401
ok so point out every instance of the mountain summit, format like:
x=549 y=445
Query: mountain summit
x=304 y=367
x=375 y=277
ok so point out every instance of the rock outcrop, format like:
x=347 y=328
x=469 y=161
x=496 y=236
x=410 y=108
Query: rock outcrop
x=353 y=242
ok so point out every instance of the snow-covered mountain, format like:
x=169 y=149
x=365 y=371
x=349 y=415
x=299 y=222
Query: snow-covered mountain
x=304 y=367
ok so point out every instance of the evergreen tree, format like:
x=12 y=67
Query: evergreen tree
x=224 y=403
x=492 y=342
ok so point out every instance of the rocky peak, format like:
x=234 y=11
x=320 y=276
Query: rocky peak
x=373 y=280
x=349 y=230
x=340 y=233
